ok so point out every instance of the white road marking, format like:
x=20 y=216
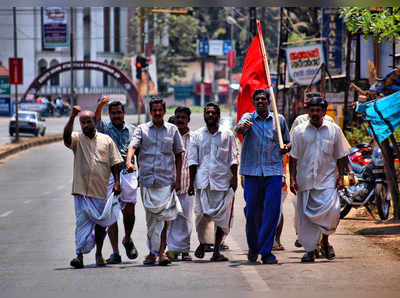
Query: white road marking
x=6 y=213
x=249 y=272
x=27 y=201
x=46 y=193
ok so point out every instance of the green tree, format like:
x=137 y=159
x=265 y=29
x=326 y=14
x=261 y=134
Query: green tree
x=382 y=23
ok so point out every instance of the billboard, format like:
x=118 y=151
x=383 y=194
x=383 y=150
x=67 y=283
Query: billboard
x=303 y=62
x=332 y=31
x=4 y=85
x=55 y=27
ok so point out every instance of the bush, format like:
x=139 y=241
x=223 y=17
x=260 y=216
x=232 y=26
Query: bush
x=357 y=136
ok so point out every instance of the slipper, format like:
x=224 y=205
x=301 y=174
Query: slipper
x=219 y=258
x=100 y=261
x=199 y=252
x=163 y=260
x=278 y=247
x=114 y=259
x=328 y=252
x=309 y=257
x=297 y=243
x=77 y=262
x=186 y=257
x=130 y=249
x=269 y=259
x=150 y=259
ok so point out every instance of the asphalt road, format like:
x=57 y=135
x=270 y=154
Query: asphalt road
x=37 y=243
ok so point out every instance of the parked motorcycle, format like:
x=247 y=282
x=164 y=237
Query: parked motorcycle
x=371 y=190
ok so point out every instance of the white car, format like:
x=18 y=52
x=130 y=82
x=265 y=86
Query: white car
x=28 y=122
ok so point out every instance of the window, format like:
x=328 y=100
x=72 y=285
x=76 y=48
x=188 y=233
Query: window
x=55 y=79
x=117 y=45
x=106 y=19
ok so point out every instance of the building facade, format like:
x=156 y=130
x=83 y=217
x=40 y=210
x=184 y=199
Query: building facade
x=99 y=34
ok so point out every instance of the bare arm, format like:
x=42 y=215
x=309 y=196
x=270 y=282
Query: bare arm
x=293 y=173
x=234 y=182
x=70 y=126
x=342 y=164
x=192 y=174
x=105 y=99
x=117 y=186
x=130 y=167
x=178 y=165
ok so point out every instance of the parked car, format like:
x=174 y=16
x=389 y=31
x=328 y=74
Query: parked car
x=29 y=122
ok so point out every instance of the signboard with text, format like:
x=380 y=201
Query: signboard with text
x=332 y=31
x=4 y=85
x=55 y=27
x=15 y=71
x=5 y=106
x=303 y=63
x=214 y=47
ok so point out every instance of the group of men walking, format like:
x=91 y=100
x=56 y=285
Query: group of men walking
x=180 y=172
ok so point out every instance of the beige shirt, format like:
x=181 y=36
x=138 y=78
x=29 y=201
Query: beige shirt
x=316 y=151
x=93 y=159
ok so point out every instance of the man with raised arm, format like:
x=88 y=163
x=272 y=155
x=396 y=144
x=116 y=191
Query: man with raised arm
x=121 y=133
x=95 y=158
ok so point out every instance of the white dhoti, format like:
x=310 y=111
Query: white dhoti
x=296 y=216
x=180 y=229
x=161 y=205
x=212 y=206
x=319 y=212
x=89 y=212
x=129 y=185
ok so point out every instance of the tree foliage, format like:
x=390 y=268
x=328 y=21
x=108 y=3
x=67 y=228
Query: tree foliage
x=383 y=23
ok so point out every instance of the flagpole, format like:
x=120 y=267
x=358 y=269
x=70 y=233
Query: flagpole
x=270 y=87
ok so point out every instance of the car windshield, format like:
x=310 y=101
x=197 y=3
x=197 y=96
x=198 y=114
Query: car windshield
x=26 y=116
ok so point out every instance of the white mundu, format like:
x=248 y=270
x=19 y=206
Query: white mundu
x=317 y=151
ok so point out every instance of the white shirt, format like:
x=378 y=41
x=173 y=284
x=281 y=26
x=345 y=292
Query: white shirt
x=316 y=151
x=214 y=154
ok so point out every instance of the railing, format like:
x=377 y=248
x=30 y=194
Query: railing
x=81 y=90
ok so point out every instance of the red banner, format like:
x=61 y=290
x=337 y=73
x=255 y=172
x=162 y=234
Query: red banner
x=15 y=70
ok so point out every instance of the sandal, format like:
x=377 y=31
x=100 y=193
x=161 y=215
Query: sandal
x=328 y=252
x=114 y=259
x=77 y=262
x=219 y=258
x=199 y=252
x=130 y=249
x=278 y=247
x=186 y=257
x=309 y=257
x=100 y=261
x=163 y=260
x=150 y=259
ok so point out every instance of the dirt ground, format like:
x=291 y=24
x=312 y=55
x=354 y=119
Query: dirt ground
x=385 y=234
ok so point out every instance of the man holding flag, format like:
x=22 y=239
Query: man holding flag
x=265 y=140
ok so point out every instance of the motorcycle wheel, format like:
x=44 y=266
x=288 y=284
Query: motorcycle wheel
x=344 y=209
x=382 y=200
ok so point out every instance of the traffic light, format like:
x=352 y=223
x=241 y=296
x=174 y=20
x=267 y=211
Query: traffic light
x=141 y=62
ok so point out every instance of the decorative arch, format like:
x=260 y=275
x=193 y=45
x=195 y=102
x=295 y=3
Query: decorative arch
x=123 y=79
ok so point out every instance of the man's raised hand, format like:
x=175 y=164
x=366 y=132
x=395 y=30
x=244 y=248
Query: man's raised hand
x=76 y=110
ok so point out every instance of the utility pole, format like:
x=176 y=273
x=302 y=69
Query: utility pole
x=16 y=85
x=141 y=51
x=71 y=47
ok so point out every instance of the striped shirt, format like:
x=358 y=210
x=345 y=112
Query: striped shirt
x=185 y=165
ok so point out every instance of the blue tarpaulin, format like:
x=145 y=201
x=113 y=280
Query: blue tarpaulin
x=383 y=114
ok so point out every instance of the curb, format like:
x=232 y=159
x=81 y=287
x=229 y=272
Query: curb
x=26 y=144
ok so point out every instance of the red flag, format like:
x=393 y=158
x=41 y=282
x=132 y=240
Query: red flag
x=253 y=77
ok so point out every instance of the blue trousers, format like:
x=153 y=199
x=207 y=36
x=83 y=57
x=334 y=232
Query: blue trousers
x=262 y=211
